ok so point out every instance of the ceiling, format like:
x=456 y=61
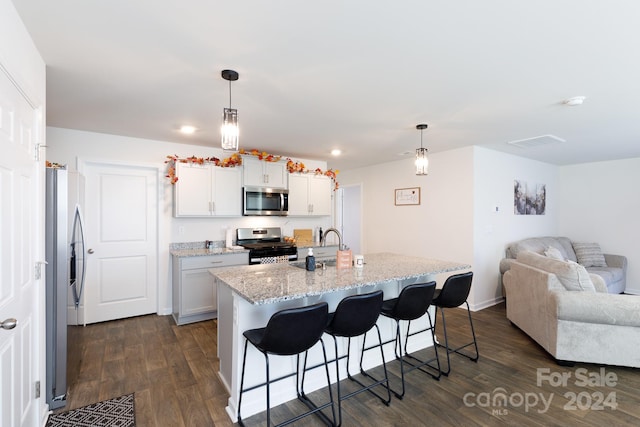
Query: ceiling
x=356 y=75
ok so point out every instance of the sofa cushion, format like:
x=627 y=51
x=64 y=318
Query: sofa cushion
x=609 y=274
x=589 y=254
x=573 y=276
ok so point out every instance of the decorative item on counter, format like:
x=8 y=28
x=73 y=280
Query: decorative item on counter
x=358 y=261
x=303 y=236
x=229 y=238
x=310 y=262
x=343 y=259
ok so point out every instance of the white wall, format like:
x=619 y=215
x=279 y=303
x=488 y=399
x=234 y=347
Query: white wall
x=494 y=174
x=440 y=227
x=66 y=146
x=599 y=202
x=455 y=220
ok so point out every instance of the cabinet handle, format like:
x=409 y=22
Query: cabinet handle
x=216 y=262
x=213 y=206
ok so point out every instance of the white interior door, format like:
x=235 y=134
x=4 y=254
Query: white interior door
x=20 y=202
x=121 y=223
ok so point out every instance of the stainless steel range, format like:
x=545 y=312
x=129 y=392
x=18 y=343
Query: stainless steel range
x=266 y=245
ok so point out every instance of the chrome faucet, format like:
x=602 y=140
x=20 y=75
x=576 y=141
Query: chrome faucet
x=324 y=237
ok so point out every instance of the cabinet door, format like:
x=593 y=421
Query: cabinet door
x=253 y=174
x=276 y=173
x=320 y=195
x=227 y=194
x=192 y=192
x=198 y=292
x=298 y=195
x=258 y=173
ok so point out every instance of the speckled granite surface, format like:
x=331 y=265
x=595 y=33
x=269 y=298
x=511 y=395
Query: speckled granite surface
x=181 y=253
x=269 y=283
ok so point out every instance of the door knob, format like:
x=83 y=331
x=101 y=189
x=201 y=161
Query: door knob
x=9 y=323
x=90 y=251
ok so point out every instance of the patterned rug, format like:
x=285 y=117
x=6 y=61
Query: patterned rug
x=118 y=412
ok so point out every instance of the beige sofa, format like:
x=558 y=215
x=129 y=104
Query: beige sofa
x=569 y=312
x=612 y=268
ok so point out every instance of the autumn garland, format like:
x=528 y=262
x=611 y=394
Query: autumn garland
x=236 y=160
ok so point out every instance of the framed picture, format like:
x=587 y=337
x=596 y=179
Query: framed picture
x=407 y=196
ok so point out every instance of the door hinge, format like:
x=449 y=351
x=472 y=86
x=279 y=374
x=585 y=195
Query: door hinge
x=37 y=389
x=37 y=270
x=37 y=151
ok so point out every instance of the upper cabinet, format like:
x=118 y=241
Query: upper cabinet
x=258 y=173
x=309 y=195
x=207 y=190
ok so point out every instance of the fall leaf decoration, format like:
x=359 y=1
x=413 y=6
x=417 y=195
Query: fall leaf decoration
x=229 y=162
x=236 y=160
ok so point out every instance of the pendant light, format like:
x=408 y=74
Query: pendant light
x=230 y=117
x=422 y=162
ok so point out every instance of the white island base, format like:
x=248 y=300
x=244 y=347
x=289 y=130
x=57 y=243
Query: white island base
x=248 y=296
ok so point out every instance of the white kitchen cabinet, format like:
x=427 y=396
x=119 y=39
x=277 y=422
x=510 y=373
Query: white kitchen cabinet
x=309 y=195
x=194 y=288
x=258 y=173
x=207 y=190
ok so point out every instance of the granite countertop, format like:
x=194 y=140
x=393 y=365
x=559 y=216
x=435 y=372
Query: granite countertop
x=269 y=283
x=192 y=252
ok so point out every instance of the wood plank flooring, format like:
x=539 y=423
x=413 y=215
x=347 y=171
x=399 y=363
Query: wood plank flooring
x=172 y=370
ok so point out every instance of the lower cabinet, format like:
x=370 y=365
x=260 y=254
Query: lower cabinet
x=194 y=288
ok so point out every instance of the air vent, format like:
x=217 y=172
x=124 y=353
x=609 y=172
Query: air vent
x=536 y=141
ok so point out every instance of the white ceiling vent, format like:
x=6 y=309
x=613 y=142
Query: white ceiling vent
x=536 y=141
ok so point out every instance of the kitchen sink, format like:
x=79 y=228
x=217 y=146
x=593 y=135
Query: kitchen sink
x=326 y=262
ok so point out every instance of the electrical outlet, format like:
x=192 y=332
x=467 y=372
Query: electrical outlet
x=181 y=230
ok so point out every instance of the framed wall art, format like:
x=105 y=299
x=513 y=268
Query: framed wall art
x=407 y=196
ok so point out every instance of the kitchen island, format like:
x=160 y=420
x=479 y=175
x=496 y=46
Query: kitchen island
x=249 y=295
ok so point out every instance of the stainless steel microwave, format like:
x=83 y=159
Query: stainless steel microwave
x=265 y=201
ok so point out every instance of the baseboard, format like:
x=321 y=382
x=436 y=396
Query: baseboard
x=164 y=311
x=485 y=304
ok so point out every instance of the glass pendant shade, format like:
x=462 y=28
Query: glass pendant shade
x=230 y=131
x=422 y=162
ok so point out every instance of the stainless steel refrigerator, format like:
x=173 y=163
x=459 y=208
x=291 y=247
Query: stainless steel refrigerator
x=57 y=283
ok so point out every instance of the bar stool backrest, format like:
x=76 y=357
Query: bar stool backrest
x=294 y=330
x=455 y=290
x=356 y=314
x=414 y=300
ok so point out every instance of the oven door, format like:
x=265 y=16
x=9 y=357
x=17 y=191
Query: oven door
x=265 y=201
x=270 y=256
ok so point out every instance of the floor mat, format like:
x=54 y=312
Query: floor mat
x=118 y=412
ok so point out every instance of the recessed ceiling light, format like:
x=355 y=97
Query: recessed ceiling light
x=336 y=152
x=576 y=100
x=186 y=129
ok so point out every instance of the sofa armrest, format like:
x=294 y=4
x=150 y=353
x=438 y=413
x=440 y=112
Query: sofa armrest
x=588 y=307
x=505 y=264
x=619 y=261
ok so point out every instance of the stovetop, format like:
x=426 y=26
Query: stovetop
x=262 y=238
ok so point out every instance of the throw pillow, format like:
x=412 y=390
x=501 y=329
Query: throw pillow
x=589 y=254
x=579 y=278
x=554 y=253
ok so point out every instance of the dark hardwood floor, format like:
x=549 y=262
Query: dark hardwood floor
x=172 y=370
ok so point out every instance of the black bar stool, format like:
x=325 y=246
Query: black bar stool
x=290 y=332
x=412 y=303
x=454 y=293
x=356 y=315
